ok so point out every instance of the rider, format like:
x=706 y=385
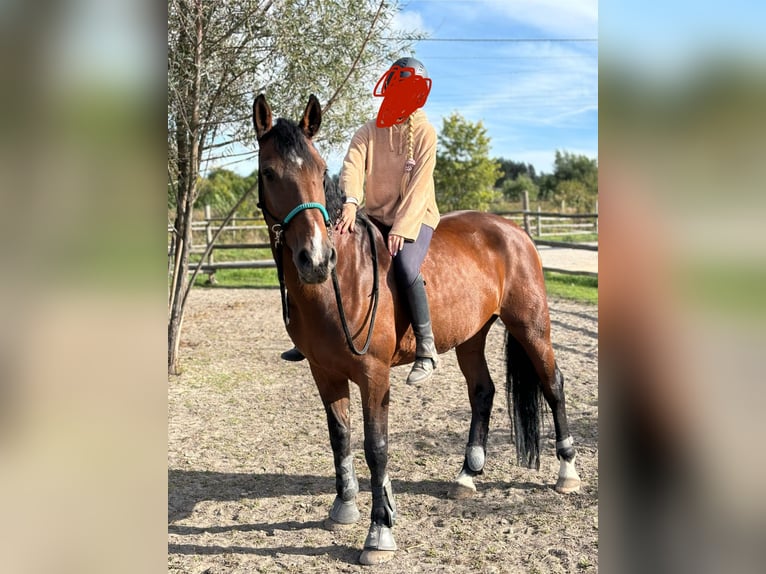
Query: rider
x=390 y=162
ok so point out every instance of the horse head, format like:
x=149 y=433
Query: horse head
x=291 y=187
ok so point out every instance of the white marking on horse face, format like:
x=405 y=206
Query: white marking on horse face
x=316 y=245
x=295 y=158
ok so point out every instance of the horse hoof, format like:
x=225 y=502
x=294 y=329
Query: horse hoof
x=373 y=557
x=567 y=485
x=344 y=513
x=333 y=526
x=459 y=491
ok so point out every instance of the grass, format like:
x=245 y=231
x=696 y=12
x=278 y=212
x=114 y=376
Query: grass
x=239 y=277
x=570 y=238
x=579 y=288
x=564 y=286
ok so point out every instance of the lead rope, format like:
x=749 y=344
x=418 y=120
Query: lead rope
x=375 y=296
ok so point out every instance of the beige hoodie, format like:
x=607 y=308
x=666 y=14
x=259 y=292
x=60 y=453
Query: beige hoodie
x=373 y=169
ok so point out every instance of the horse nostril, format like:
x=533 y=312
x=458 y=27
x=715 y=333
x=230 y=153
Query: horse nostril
x=304 y=259
x=333 y=257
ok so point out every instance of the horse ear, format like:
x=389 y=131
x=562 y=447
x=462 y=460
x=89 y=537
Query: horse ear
x=312 y=117
x=261 y=116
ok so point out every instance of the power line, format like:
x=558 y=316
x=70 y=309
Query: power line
x=496 y=40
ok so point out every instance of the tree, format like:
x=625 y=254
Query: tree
x=512 y=170
x=569 y=166
x=513 y=189
x=576 y=180
x=222 y=188
x=222 y=54
x=464 y=173
x=573 y=194
x=547 y=186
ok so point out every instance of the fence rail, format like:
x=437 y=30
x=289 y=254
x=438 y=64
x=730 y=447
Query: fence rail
x=537 y=224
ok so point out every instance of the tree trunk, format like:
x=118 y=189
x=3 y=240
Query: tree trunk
x=180 y=277
x=184 y=211
x=188 y=141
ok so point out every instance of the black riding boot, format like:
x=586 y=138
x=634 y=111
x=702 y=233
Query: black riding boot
x=292 y=355
x=425 y=350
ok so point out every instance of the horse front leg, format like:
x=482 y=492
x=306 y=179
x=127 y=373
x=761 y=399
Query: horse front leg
x=379 y=546
x=335 y=396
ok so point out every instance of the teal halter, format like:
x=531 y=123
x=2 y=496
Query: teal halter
x=302 y=207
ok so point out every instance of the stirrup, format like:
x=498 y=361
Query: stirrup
x=421 y=370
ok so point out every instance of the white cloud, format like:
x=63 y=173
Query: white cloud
x=409 y=21
x=538 y=94
x=576 y=18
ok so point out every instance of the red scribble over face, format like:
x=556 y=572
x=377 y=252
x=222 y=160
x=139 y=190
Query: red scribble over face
x=403 y=91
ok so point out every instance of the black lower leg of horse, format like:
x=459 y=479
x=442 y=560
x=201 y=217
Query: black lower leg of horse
x=335 y=397
x=481 y=393
x=346 y=484
x=554 y=395
x=481 y=397
x=376 y=454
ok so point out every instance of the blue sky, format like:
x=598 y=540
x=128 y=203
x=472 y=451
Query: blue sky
x=538 y=97
x=533 y=98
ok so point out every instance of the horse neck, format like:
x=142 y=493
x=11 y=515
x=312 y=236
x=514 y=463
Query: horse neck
x=353 y=269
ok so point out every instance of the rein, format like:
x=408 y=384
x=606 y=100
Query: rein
x=278 y=230
x=375 y=296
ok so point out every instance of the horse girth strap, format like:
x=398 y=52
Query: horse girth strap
x=375 y=296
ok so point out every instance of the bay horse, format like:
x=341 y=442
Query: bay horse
x=479 y=267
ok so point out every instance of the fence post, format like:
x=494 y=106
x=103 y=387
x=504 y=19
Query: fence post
x=597 y=217
x=525 y=200
x=208 y=241
x=539 y=223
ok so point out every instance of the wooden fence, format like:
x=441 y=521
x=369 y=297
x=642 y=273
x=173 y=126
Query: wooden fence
x=248 y=233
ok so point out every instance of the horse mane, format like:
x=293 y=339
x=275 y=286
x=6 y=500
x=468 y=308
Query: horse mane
x=334 y=198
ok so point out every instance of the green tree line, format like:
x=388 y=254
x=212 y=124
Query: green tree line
x=465 y=177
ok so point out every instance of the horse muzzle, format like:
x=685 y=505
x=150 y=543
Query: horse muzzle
x=315 y=265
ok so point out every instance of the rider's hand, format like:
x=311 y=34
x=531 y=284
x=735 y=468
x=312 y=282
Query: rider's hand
x=347 y=221
x=395 y=244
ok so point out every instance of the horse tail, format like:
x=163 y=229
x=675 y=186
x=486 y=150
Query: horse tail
x=524 y=392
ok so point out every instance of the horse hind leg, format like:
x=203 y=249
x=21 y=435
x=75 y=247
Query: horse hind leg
x=568 y=479
x=481 y=393
x=531 y=369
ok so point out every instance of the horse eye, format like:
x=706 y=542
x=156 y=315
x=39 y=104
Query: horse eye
x=268 y=173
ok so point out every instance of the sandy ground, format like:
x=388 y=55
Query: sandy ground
x=571 y=259
x=250 y=467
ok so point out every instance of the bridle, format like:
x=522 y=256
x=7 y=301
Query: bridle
x=278 y=230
